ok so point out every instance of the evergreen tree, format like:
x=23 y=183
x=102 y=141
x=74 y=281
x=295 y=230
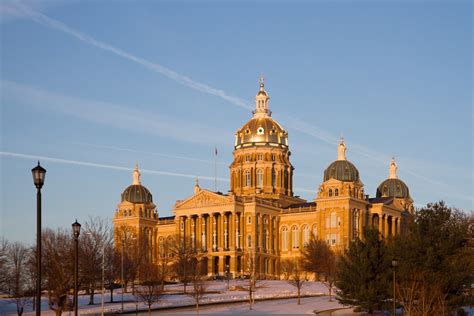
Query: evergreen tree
x=435 y=263
x=363 y=273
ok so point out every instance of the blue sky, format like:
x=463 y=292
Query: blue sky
x=93 y=87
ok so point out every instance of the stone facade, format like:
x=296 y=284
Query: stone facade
x=260 y=215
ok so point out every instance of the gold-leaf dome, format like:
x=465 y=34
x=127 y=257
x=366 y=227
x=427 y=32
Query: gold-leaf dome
x=261 y=129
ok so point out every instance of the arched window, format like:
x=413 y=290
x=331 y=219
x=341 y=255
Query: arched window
x=330 y=192
x=260 y=178
x=315 y=231
x=336 y=192
x=129 y=212
x=247 y=178
x=284 y=238
x=294 y=237
x=333 y=219
x=305 y=235
x=161 y=246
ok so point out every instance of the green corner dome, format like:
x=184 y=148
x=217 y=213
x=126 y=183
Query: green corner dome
x=341 y=170
x=393 y=188
x=137 y=193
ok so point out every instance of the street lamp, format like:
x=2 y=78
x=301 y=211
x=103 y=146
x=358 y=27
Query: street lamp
x=228 y=274
x=394 y=266
x=38 y=179
x=76 y=230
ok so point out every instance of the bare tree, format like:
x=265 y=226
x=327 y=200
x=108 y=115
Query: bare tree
x=58 y=260
x=296 y=274
x=150 y=290
x=164 y=260
x=252 y=284
x=197 y=280
x=3 y=263
x=18 y=285
x=184 y=251
x=96 y=237
x=320 y=259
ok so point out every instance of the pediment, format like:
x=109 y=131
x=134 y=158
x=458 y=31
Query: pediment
x=203 y=198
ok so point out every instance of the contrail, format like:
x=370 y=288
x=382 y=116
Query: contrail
x=150 y=153
x=120 y=168
x=184 y=80
x=104 y=166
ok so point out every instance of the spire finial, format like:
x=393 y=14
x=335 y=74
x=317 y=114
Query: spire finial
x=261 y=100
x=341 y=149
x=197 y=188
x=136 y=175
x=393 y=169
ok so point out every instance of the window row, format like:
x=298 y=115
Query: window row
x=294 y=242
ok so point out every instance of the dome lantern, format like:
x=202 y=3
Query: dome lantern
x=393 y=170
x=261 y=100
x=341 y=150
x=136 y=175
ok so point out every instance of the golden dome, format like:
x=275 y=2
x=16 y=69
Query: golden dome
x=261 y=129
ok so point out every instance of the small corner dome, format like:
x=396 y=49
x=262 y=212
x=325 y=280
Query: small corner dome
x=137 y=193
x=341 y=169
x=393 y=188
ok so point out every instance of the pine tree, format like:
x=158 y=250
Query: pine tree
x=363 y=273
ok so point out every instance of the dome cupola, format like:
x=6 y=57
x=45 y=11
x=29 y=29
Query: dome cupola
x=341 y=169
x=137 y=193
x=261 y=129
x=393 y=187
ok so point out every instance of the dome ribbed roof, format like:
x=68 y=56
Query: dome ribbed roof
x=342 y=170
x=393 y=188
x=261 y=129
x=137 y=193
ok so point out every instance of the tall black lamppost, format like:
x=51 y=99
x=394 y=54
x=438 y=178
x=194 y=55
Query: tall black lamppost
x=394 y=266
x=38 y=179
x=227 y=275
x=76 y=230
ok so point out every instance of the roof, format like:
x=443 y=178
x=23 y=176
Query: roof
x=297 y=205
x=383 y=200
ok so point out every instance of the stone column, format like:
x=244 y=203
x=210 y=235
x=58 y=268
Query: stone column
x=231 y=220
x=381 y=224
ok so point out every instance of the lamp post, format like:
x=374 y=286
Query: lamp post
x=227 y=274
x=76 y=230
x=38 y=179
x=103 y=278
x=394 y=266
x=121 y=273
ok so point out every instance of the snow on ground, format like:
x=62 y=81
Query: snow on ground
x=218 y=294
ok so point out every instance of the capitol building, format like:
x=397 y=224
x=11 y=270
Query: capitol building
x=260 y=213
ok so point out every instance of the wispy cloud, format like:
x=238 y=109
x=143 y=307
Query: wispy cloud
x=19 y=9
x=111 y=114
x=107 y=166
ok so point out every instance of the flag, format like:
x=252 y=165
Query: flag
x=216 y=150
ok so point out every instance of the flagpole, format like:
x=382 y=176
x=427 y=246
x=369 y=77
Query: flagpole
x=215 y=171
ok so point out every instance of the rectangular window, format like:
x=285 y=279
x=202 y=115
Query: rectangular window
x=249 y=241
x=249 y=220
